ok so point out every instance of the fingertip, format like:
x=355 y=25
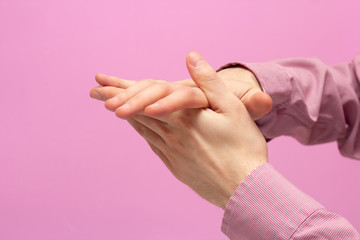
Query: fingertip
x=264 y=100
x=95 y=94
x=259 y=104
x=190 y=54
x=99 y=77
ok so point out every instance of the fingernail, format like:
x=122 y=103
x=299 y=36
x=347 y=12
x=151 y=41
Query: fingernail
x=95 y=95
x=196 y=59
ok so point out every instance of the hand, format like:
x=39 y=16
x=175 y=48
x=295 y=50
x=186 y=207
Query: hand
x=158 y=97
x=210 y=150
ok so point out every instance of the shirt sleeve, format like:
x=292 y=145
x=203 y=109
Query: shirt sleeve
x=266 y=206
x=312 y=102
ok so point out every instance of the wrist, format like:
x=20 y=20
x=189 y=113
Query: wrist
x=238 y=78
x=229 y=186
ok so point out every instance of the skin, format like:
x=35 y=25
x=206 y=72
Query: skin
x=158 y=97
x=200 y=146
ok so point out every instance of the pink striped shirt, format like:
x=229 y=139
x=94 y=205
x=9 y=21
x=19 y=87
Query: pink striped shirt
x=313 y=103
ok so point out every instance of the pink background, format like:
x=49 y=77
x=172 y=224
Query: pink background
x=69 y=169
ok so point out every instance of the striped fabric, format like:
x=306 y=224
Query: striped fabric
x=267 y=206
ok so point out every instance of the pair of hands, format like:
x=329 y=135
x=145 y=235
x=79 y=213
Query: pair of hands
x=199 y=128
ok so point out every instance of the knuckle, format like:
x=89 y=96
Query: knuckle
x=193 y=92
x=163 y=87
x=208 y=77
x=136 y=101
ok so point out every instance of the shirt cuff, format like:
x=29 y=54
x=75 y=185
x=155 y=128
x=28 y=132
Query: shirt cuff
x=266 y=206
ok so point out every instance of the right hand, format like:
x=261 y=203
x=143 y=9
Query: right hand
x=211 y=150
x=158 y=97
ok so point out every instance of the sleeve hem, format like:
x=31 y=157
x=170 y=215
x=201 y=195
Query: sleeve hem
x=266 y=206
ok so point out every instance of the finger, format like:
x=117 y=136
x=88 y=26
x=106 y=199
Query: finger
x=186 y=97
x=138 y=102
x=120 y=99
x=105 y=80
x=219 y=96
x=148 y=134
x=105 y=93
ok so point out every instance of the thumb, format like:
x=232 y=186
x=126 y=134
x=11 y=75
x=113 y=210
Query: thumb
x=219 y=96
x=257 y=103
